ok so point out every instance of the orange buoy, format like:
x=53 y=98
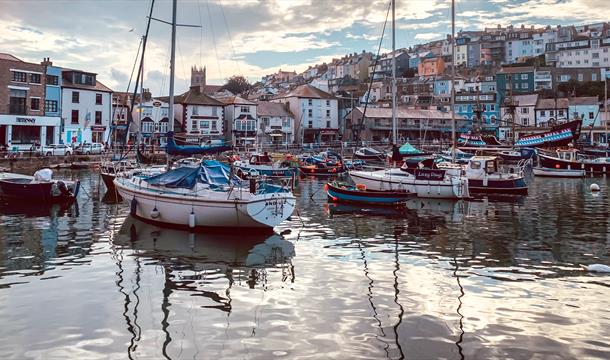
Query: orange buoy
x=557 y=166
x=361 y=187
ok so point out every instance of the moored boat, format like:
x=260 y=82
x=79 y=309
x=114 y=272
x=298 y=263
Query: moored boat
x=37 y=189
x=570 y=159
x=206 y=196
x=562 y=173
x=340 y=192
x=367 y=153
x=261 y=164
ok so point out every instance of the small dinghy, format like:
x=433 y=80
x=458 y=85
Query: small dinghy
x=40 y=188
x=342 y=192
x=562 y=173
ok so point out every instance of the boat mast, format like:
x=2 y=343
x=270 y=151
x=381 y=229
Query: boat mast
x=172 y=63
x=394 y=134
x=453 y=80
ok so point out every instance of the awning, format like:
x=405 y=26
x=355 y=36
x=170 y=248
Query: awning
x=245 y=117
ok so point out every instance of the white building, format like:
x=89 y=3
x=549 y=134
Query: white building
x=316 y=113
x=525 y=110
x=276 y=123
x=152 y=119
x=580 y=53
x=241 y=122
x=551 y=112
x=197 y=114
x=86 y=108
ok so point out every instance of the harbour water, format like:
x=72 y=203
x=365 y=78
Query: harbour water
x=493 y=278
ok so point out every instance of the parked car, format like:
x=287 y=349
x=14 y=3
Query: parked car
x=89 y=149
x=56 y=149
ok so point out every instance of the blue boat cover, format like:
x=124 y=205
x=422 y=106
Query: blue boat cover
x=174 y=149
x=408 y=149
x=210 y=172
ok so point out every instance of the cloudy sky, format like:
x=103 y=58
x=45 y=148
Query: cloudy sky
x=247 y=37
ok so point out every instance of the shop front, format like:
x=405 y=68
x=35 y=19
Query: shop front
x=97 y=134
x=21 y=132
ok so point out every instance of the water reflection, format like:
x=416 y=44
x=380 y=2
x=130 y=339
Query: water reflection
x=195 y=263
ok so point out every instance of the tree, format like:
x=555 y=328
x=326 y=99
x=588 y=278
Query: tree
x=237 y=84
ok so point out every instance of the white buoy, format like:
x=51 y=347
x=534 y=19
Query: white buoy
x=600 y=268
x=594 y=187
x=154 y=213
x=192 y=220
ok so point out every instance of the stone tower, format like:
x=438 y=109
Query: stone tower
x=198 y=77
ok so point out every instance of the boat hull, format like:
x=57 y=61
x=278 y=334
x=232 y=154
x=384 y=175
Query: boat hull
x=452 y=188
x=546 y=161
x=515 y=186
x=23 y=190
x=560 y=173
x=260 y=212
x=387 y=198
x=322 y=171
x=108 y=180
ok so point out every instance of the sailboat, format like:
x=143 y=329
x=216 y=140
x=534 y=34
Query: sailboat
x=426 y=183
x=208 y=195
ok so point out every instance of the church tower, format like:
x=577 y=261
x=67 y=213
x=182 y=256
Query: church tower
x=198 y=77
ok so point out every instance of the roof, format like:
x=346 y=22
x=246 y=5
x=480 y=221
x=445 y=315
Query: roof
x=235 y=100
x=266 y=108
x=551 y=104
x=516 y=69
x=97 y=87
x=192 y=97
x=210 y=89
x=9 y=57
x=526 y=100
x=406 y=113
x=307 y=91
x=584 y=100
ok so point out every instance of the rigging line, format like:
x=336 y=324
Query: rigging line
x=368 y=93
x=207 y=4
x=200 y=32
x=457 y=278
x=396 y=292
x=230 y=37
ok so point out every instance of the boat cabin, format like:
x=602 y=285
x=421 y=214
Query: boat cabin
x=483 y=165
x=260 y=159
x=567 y=155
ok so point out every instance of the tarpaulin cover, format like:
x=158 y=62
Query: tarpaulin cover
x=408 y=149
x=174 y=149
x=183 y=177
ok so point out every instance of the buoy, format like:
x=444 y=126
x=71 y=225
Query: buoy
x=594 y=187
x=154 y=213
x=361 y=187
x=192 y=219
x=557 y=166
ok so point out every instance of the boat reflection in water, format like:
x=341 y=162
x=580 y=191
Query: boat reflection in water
x=210 y=270
x=44 y=210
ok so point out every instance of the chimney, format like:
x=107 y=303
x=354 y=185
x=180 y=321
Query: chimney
x=46 y=62
x=146 y=95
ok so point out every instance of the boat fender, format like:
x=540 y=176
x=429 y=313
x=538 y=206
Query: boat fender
x=154 y=213
x=192 y=219
x=361 y=187
x=134 y=206
x=594 y=187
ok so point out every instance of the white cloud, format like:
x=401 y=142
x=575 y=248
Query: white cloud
x=428 y=36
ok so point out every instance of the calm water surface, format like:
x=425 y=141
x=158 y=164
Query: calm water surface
x=495 y=278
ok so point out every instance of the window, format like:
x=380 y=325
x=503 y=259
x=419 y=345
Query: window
x=148 y=126
x=310 y=113
x=214 y=111
x=560 y=113
x=309 y=102
x=74 y=117
x=580 y=77
x=542 y=113
x=524 y=86
x=285 y=122
x=50 y=106
x=35 y=78
x=327 y=102
x=593 y=77
x=525 y=121
x=195 y=110
x=310 y=124
x=17 y=102
x=52 y=80
x=194 y=124
x=245 y=109
x=266 y=121
x=19 y=76
x=328 y=123
x=591 y=116
x=214 y=125
x=524 y=110
x=552 y=113
x=595 y=55
x=35 y=104
x=204 y=125
x=327 y=113
x=98 y=99
x=75 y=97
x=98 y=118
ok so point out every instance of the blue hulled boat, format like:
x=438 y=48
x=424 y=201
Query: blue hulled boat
x=338 y=192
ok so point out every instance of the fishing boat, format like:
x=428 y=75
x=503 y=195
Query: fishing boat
x=342 y=192
x=484 y=176
x=425 y=183
x=367 y=153
x=207 y=196
x=571 y=159
x=261 y=164
x=560 y=135
x=318 y=166
x=560 y=173
x=517 y=154
x=38 y=189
